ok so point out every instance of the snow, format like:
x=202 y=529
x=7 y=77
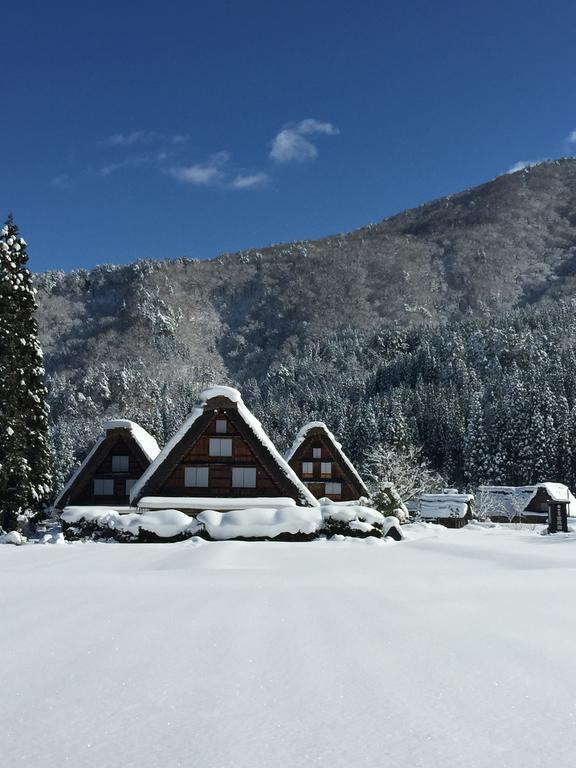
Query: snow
x=210 y=502
x=234 y=396
x=505 y=494
x=453 y=648
x=144 y=439
x=13 y=537
x=165 y=523
x=260 y=522
x=444 y=505
x=303 y=434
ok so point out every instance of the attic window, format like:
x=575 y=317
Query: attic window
x=221 y=426
x=220 y=446
x=326 y=469
x=120 y=463
x=333 y=489
x=103 y=487
x=196 y=477
x=307 y=468
x=316 y=453
x=244 y=477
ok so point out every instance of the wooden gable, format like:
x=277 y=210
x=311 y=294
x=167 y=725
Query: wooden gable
x=100 y=473
x=218 y=453
x=310 y=459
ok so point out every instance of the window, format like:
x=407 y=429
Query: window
x=196 y=477
x=220 y=446
x=129 y=484
x=326 y=468
x=333 y=489
x=103 y=487
x=244 y=477
x=307 y=468
x=316 y=453
x=120 y=463
x=221 y=426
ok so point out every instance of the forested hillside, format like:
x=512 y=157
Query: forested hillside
x=449 y=325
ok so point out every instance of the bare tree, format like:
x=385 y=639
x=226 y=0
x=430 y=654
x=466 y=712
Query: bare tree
x=489 y=504
x=407 y=469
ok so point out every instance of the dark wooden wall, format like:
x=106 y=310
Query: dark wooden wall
x=118 y=445
x=316 y=481
x=220 y=468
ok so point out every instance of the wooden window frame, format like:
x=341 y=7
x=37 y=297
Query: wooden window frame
x=194 y=471
x=237 y=470
x=212 y=441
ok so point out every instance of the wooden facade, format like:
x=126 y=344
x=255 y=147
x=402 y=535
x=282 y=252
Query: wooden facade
x=108 y=473
x=319 y=461
x=220 y=455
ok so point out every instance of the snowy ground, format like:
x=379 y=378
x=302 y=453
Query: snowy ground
x=452 y=649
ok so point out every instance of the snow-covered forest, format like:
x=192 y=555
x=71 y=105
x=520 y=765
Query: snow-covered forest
x=491 y=400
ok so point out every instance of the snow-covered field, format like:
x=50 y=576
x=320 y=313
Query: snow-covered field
x=451 y=649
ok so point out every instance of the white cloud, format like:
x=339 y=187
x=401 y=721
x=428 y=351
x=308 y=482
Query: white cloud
x=249 y=181
x=127 y=139
x=571 y=138
x=128 y=162
x=291 y=146
x=521 y=165
x=62 y=181
x=202 y=174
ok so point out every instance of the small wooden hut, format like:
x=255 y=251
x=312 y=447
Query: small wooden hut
x=116 y=461
x=220 y=459
x=320 y=462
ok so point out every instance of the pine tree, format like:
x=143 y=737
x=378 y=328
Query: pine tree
x=24 y=453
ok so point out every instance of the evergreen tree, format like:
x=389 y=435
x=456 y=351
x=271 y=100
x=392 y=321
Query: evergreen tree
x=24 y=454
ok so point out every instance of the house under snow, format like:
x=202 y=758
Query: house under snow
x=320 y=462
x=526 y=503
x=452 y=510
x=220 y=459
x=116 y=461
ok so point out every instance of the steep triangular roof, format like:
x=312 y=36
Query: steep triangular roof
x=250 y=429
x=315 y=428
x=143 y=442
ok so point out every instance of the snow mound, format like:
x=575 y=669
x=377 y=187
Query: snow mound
x=210 y=502
x=13 y=537
x=220 y=391
x=260 y=522
x=164 y=523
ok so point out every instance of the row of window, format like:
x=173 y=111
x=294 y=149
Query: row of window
x=105 y=487
x=325 y=468
x=330 y=489
x=198 y=477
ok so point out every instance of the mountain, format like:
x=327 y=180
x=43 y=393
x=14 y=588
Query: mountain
x=139 y=340
x=504 y=244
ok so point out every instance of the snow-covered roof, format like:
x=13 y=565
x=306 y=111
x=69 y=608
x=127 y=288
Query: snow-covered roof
x=303 y=434
x=76 y=474
x=144 y=439
x=234 y=396
x=210 y=502
x=444 y=505
x=506 y=495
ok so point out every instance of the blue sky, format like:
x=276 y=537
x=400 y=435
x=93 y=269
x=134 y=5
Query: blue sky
x=152 y=130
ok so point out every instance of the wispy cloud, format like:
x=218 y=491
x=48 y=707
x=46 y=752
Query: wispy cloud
x=571 y=138
x=202 y=174
x=62 y=181
x=521 y=165
x=128 y=139
x=250 y=181
x=293 y=145
x=127 y=162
